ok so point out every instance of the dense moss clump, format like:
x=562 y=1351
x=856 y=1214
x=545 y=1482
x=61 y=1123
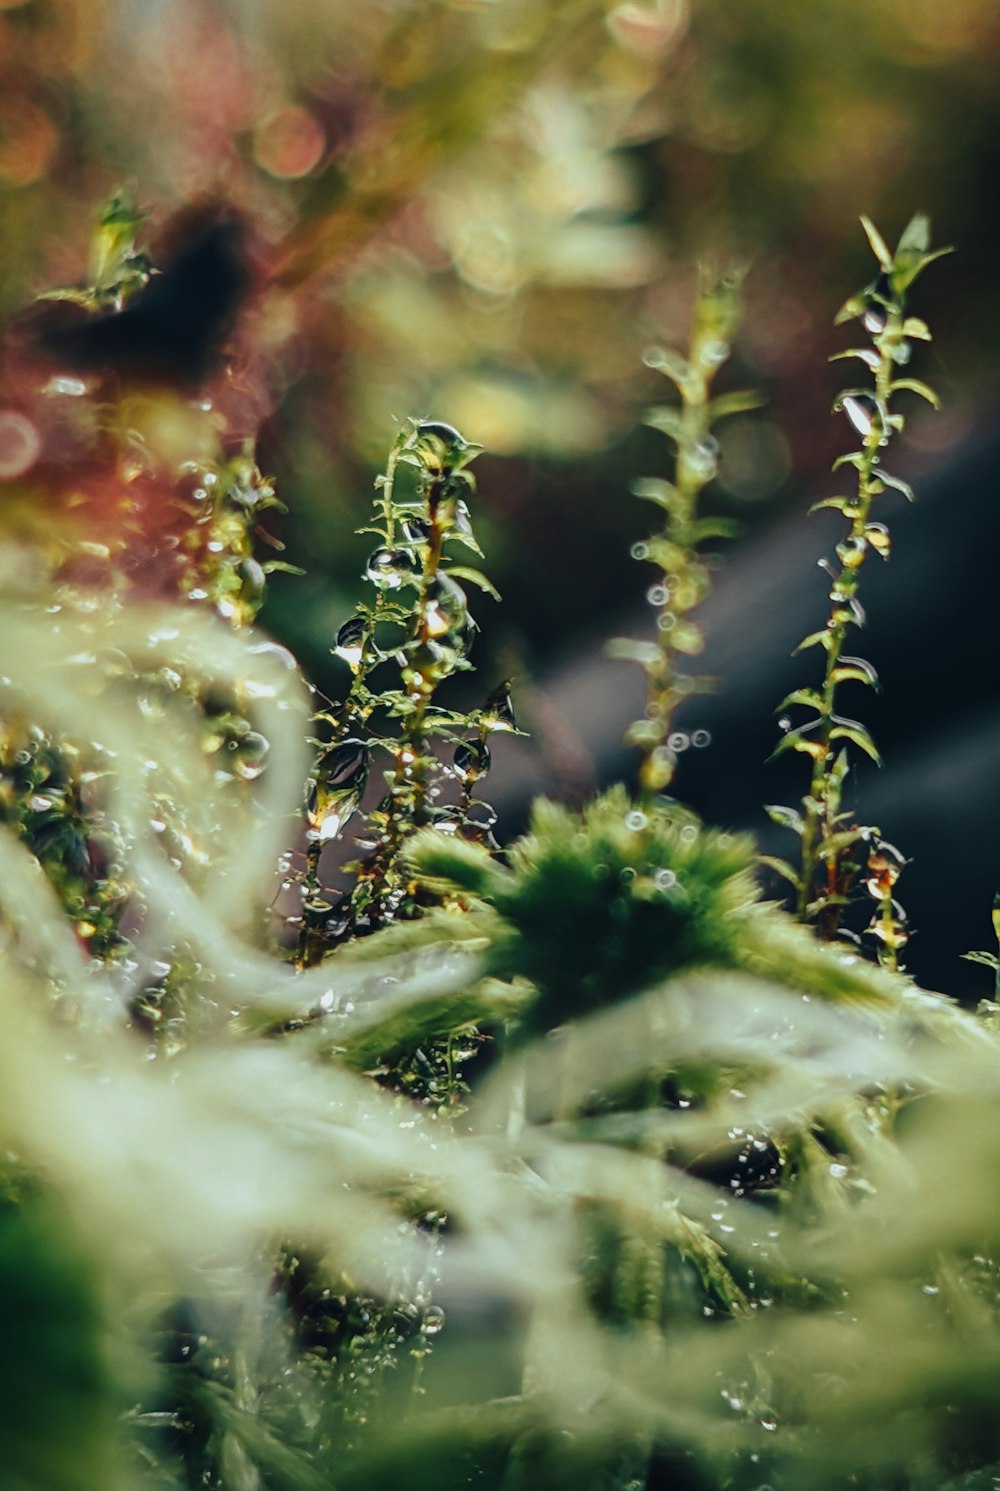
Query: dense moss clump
x=597 y=906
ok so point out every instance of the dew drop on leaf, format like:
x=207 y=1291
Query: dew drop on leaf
x=471 y=760
x=390 y=569
x=877 y=535
x=434 y=1321
x=703 y=458
x=341 y=774
x=350 y=640
x=414 y=530
x=862 y=410
x=851 y=552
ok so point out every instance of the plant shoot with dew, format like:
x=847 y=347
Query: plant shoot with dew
x=683 y=579
x=416 y=632
x=834 y=849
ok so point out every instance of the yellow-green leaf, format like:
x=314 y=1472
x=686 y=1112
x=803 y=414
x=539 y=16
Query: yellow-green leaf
x=879 y=246
x=780 y=867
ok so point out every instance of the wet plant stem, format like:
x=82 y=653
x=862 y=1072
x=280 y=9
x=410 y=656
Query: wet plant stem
x=822 y=804
x=684 y=575
x=408 y=788
x=887 y=955
x=352 y=716
x=665 y=684
x=833 y=847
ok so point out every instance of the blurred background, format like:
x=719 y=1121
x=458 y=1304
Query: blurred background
x=484 y=211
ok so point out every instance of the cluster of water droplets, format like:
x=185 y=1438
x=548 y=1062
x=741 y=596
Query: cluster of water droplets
x=420 y=630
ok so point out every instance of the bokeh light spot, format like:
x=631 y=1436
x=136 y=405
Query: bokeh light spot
x=28 y=142
x=290 y=142
x=20 y=444
x=649 y=30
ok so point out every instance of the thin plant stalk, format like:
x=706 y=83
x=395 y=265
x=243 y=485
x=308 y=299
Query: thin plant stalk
x=832 y=852
x=683 y=578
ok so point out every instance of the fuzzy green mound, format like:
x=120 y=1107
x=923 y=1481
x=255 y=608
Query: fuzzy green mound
x=595 y=907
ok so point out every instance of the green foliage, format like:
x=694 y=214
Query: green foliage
x=592 y=909
x=833 y=846
x=574 y=1165
x=419 y=625
x=683 y=579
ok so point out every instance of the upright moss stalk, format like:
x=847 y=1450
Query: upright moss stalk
x=833 y=847
x=683 y=577
x=418 y=621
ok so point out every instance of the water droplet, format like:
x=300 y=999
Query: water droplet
x=893 y=936
x=678 y=741
x=498 y=711
x=700 y=739
x=666 y=360
x=350 y=641
x=461 y=521
x=390 y=569
x=838 y=1171
x=667 y=621
x=863 y=412
x=714 y=352
x=316 y=907
x=851 y=552
x=660 y=768
x=885 y=865
x=657 y=595
x=72 y=388
x=930 y=1289
x=703 y=458
x=688 y=834
x=440 y=445
x=471 y=760
x=636 y=820
x=414 y=530
x=876 y=316
x=875 y=319
x=769 y=1423
x=639 y=551
x=446 y=609
x=252 y=752
x=665 y=880
x=341 y=774
x=434 y=1320
x=877 y=535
